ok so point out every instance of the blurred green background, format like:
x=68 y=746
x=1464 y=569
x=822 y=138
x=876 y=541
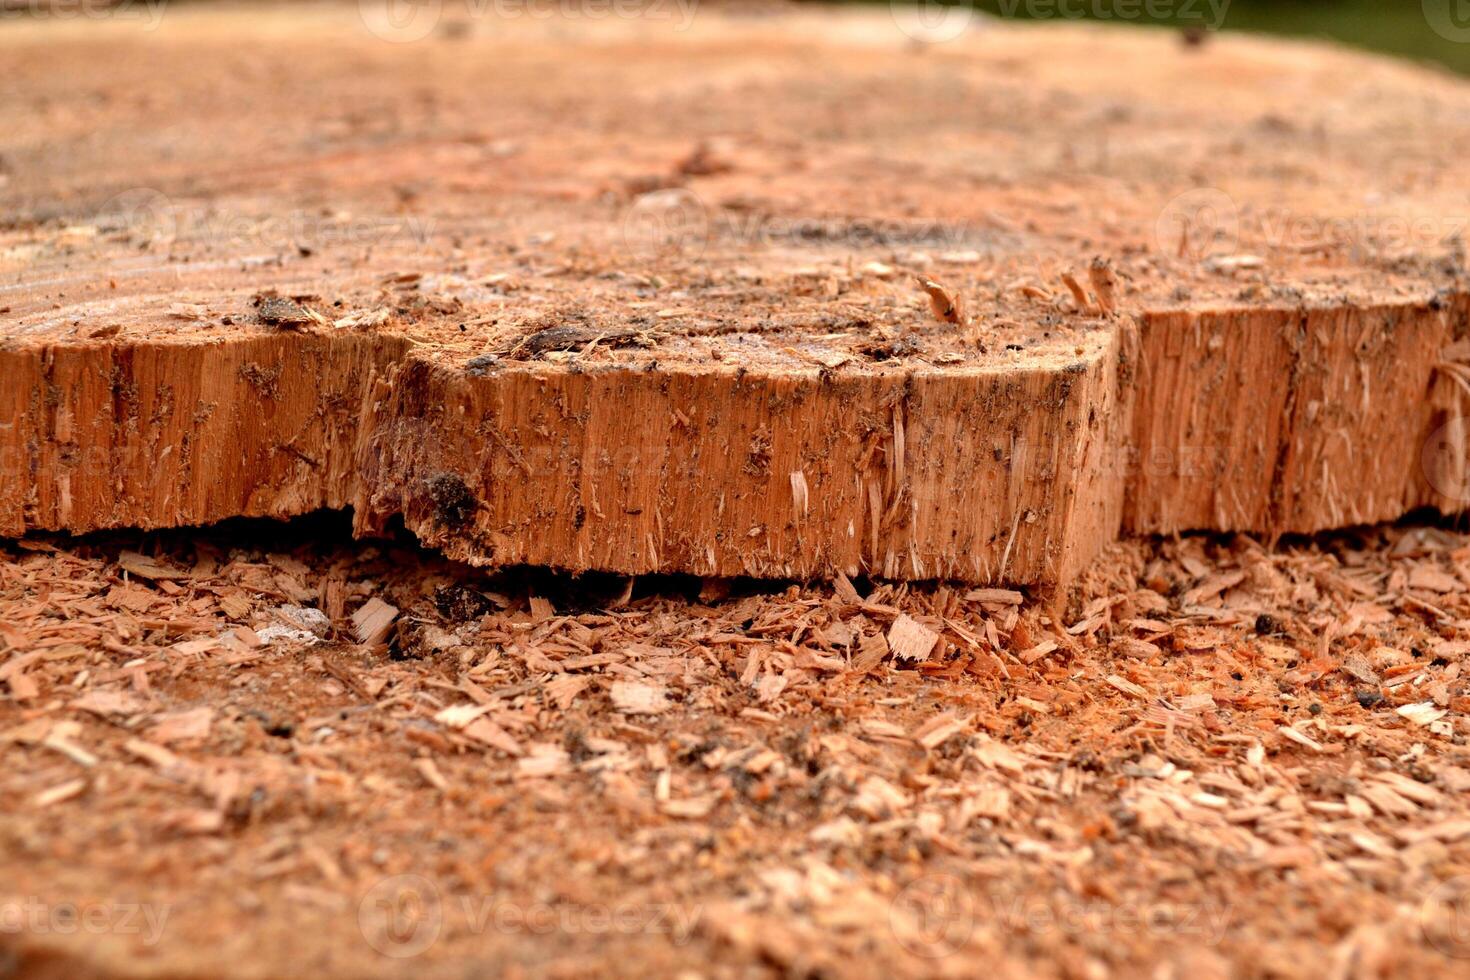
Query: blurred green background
x=1395 y=26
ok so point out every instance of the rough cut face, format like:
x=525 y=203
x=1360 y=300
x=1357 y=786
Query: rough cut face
x=622 y=296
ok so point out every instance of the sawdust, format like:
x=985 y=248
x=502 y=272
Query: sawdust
x=1217 y=756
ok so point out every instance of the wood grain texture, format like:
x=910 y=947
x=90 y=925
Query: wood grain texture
x=1292 y=421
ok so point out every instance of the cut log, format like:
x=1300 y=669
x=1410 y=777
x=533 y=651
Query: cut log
x=549 y=302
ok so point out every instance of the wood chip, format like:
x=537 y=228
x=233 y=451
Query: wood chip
x=845 y=592
x=1299 y=738
x=372 y=621
x=1430 y=579
x=1128 y=646
x=942 y=303
x=999 y=597
x=1035 y=653
x=563 y=690
x=141 y=566
x=460 y=715
x=149 y=752
x=689 y=809
x=60 y=793
x=635 y=698
x=911 y=640
x=1422 y=713
x=486 y=732
x=109 y=702
x=938 y=730
x=1127 y=687
x=872 y=648
x=182 y=725
x=431 y=774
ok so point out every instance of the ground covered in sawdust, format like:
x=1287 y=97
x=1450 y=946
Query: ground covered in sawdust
x=266 y=749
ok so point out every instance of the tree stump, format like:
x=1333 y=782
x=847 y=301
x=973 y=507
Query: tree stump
x=630 y=297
